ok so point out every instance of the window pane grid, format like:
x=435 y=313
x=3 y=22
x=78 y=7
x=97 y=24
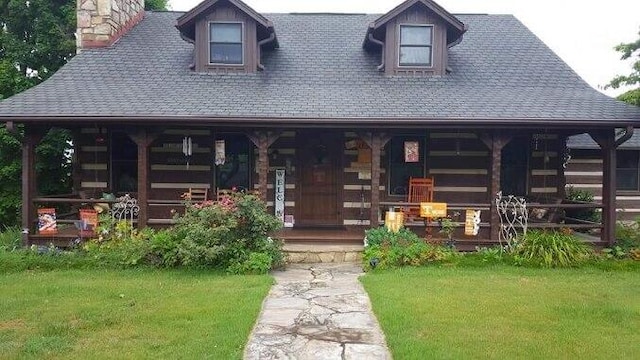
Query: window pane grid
x=415 y=45
x=627 y=171
x=225 y=43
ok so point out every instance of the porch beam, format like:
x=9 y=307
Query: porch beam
x=263 y=140
x=143 y=139
x=31 y=139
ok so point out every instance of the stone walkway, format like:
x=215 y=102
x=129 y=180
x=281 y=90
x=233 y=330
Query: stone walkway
x=317 y=311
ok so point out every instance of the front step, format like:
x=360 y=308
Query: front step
x=322 y=252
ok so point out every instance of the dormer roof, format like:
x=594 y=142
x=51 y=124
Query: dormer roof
x=187 y=22
x=455 y=27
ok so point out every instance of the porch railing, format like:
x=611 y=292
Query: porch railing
x=563 y=212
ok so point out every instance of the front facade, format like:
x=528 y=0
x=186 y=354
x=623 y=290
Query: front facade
x=326 y=115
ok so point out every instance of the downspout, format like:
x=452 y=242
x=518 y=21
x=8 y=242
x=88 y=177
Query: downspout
x=628 y=133
x=192 y=66
x=381 y=43
x=263 y=42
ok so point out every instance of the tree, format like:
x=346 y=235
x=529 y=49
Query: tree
x=37 y=37
x=629 y=50
x=155 y=4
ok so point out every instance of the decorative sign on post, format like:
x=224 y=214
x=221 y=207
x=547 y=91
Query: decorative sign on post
x=279 y=194
x=411 y=151
x=220 y=153
x=433 y=210
x=47 y=224
x=472 y=222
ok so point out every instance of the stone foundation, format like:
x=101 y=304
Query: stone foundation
x=309 y=257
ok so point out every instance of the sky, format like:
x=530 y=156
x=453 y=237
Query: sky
x=582 y=32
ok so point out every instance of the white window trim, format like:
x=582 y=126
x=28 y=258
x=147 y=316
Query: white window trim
x=432 y=26
x=209 y=41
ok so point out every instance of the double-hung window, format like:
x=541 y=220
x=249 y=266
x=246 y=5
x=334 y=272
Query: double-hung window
x=627 y=170
x=416 y=45
x=225 y=43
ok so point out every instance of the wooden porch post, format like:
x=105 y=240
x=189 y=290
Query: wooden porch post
x=560 y=178
x=29 y=184
x=143 y=139
x=263 y=140
x=495 y=142
x=606 y=140
x=375 y=141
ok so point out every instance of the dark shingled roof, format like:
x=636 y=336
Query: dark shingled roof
x=500 y=70
x=584 y=141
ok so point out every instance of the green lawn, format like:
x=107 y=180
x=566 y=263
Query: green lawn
x=508 y=313
x=129 y=314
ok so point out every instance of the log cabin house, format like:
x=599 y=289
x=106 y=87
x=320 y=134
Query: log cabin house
x=224 y=97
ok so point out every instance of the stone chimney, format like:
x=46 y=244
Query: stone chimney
x=102 y=22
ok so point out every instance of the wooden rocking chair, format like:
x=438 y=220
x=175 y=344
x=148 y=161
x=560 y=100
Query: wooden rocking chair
x=420 y=190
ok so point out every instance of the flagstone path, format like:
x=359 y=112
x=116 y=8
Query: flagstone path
x=317 y=311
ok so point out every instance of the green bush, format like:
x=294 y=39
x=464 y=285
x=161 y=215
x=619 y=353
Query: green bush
x=550 y=249
x=386 y=249
x=230 y=234
x=10 y=239
x=628 y=235
x=578 y=195
x=121 y=246
x=223 y=234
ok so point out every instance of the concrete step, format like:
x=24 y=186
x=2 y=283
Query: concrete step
x=322 y=252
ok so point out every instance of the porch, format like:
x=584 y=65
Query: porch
x=320 y=182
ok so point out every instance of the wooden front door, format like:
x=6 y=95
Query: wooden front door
x=319 y=180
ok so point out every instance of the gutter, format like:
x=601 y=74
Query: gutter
x=360 y=122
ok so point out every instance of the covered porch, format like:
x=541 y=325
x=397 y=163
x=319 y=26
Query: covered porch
x=327 y=184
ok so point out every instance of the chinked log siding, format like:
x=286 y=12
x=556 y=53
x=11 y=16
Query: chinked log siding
x=458 y=161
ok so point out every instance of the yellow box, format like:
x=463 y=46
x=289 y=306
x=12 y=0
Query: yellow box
x=394 y=221
x=433 y=210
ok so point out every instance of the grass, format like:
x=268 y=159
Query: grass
x=502 y=312
x=128 y=314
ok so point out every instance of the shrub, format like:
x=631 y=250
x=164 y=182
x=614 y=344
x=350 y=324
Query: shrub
x=122 y=245
x=628 y=235
x=386 y=249
x=10 y=239
x=550 y=249
x=578 y=195
x=223 y=234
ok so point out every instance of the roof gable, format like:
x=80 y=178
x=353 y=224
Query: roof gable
x=186 y=22
x=455 y=27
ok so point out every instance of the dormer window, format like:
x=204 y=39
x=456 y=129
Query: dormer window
x=225 y=43
x=415 y=45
